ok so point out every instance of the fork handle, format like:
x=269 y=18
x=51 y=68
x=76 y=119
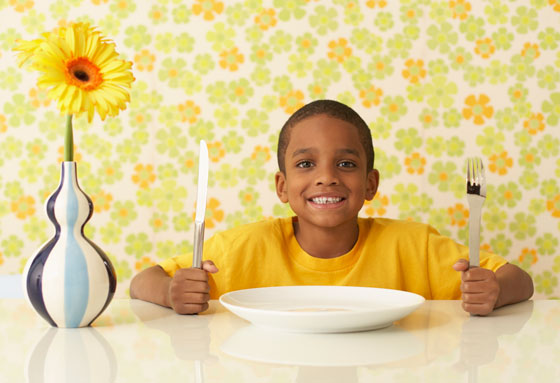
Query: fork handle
x=475 y=203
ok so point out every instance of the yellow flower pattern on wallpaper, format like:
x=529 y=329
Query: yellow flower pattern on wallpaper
x=436 y=81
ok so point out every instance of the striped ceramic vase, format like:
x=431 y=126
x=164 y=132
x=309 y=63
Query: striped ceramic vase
x=70 y=281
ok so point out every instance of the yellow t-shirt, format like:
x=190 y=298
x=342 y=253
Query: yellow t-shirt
x=389 y=253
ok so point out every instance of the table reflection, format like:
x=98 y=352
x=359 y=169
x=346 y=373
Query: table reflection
x=437 y=342
x=189 y=335
x=343 y=350
x=480 y=336
x=71 y=355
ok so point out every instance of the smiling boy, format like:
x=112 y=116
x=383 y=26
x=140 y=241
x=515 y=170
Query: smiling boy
x=326 y=159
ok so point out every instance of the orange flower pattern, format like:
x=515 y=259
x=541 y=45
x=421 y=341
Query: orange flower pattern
x=292 y=101
x=101 y=201
x=231 y=59
x=23 y=207
x=414 y=70
x=376 y=3
x=144 y=61
x=189 y=112
x=266 y=19
x=478 y=109
x=553 y=206
x=371 y=96
x=499 y=163
x=415 y=163
x=531 y=51
x=339 y=50
x=39 y=97
x=459 y=215
x=216 y=151
x=530 y=254
x=460 y=8
x=377 y=206
x=534 y=124
x=207 y=8
x=485 y=47
x=214 y=214
x=143 y=176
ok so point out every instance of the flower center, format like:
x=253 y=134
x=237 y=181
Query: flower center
x=83 y=73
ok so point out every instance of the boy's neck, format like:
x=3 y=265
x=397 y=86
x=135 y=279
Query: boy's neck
x=326 y=242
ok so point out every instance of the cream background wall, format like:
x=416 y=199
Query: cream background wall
x=437 y=81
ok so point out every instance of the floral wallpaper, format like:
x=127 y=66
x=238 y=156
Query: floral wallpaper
x=437 y=81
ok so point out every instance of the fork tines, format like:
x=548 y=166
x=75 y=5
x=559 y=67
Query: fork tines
x=475 y=176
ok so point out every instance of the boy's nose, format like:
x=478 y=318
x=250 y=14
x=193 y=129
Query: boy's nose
x=327 y=176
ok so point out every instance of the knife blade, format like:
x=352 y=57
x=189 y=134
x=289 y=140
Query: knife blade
x=202 y=191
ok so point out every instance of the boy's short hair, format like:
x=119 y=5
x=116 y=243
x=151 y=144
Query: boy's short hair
x=333 y=109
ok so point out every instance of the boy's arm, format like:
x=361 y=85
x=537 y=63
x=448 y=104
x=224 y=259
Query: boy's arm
x=483 y=290
x=187 y=292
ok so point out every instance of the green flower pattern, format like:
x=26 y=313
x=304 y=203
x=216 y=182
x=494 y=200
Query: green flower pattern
x=409 y=68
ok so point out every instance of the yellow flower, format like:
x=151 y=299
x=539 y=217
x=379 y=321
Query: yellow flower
x=81 y=69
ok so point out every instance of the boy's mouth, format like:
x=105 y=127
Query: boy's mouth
x=326 y=201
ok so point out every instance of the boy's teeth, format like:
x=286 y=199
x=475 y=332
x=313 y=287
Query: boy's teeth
x=325 y=200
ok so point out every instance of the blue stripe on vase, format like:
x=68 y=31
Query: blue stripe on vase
x=76 y=280
x=34 y=277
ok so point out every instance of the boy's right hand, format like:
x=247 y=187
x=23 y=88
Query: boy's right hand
x=189 y=291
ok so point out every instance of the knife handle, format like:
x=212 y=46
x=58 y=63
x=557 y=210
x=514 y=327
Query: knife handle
x=198 y=242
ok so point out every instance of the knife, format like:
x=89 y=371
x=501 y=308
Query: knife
x=200 y=204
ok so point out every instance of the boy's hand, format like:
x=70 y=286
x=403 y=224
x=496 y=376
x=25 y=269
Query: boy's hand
x=479 y=286
x=189 y=291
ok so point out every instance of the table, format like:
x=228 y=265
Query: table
x=135 y=341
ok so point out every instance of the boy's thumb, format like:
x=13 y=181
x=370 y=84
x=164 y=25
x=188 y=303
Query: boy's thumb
x=209 y=266
x=461 y=265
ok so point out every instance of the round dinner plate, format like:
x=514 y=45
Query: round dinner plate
x=321 y=309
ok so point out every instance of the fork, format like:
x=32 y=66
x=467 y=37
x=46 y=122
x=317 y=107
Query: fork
x=476 y=194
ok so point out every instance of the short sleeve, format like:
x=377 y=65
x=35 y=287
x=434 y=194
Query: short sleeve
x=171 y=265
x=443 y=252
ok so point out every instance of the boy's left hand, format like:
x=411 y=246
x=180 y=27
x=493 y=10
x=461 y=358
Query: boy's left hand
x=479 y=286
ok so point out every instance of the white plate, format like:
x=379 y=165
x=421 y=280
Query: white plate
x=321 y=309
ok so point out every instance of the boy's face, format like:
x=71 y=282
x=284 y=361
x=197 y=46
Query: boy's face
x=326 y=182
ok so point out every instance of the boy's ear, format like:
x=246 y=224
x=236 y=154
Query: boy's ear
x=281 y=190
x=372 y=184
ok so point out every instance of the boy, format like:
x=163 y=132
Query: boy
x=325 y=157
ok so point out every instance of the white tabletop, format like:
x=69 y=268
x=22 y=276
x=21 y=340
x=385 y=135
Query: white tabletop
x=135 y=341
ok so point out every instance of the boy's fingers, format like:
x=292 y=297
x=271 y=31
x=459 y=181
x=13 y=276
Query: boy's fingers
x=193 y=274
x=195 y=298
x=476 y=298
x=191 y=308
x=477 y=309
x=195 y=287
x=478 y=274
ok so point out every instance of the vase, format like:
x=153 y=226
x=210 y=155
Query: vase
x=70 y=280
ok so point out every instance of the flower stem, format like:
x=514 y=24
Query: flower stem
x=68 y=140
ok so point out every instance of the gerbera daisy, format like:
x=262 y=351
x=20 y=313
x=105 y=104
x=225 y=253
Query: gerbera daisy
x=82 y=72
x=81 y=68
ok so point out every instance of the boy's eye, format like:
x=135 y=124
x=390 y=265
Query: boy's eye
x=347 y=164
x=304 y=164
